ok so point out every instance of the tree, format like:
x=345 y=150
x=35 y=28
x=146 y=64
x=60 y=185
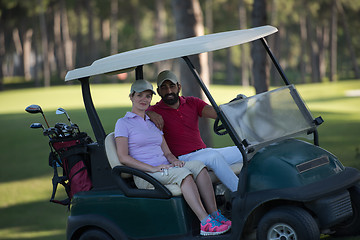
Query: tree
x=45 y=46
x=209 y=29
x=59 y=47
x=113 y=27
x=333 y=42
x=245 y=64
x=160 y=31
x=303 y=37
x=189 y=23
x=67 y=41
x=348 y=39
x=260 y=63
x=2 y=53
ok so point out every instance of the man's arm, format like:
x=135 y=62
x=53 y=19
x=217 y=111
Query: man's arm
x=209 y=112
x=156 y=119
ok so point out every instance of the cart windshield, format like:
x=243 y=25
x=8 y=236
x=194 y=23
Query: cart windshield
x=269 y=117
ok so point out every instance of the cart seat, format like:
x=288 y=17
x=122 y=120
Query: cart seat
x=113 y=159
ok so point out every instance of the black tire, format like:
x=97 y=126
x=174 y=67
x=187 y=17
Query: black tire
x=95 y=234
x=351 y=227
x=288 y=223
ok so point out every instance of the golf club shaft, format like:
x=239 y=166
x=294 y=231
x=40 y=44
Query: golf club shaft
x=45 y=120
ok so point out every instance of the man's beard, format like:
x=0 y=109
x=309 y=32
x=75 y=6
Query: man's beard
x=171 y=101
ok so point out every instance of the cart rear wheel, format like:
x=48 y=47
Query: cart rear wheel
x=288 y=223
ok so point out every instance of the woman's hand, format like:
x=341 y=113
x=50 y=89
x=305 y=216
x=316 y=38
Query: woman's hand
x=161 y=167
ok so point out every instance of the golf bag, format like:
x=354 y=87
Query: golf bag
x=71 y=154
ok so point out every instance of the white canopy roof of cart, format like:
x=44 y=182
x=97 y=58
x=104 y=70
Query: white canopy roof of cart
x=126 y=61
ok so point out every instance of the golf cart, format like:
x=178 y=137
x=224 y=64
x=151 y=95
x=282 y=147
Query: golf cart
x=288 y=188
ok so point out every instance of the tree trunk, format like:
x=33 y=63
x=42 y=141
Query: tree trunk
x=37 y=67
x=45 y=48
x=160 y=33
x=2 y=54
x=68 y=43
x=244 y=48
x=258 y=53
x=209 y=19
x=323 y=42
x=80 y=48
x=27 y=54
x=91 y=35
x=314 y=51
x=333 y=43
x=59 y=50
x=303 y=37
x=114 y=39
x=348 y=40
x=160 y=22
x=136 y=22
x=19 y=51
x=189 y=23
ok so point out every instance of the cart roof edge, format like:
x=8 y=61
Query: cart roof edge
x=127 y=61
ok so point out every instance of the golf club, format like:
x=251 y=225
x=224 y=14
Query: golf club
x=46 y=132
x=36 y=109
x=63 y=111
x=37 y=125
x=60 y=127
x=74 y=126
x=52 y=131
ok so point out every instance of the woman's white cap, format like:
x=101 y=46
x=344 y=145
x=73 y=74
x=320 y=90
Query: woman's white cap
x=140 y=86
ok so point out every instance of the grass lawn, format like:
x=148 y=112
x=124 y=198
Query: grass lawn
x=25 y=177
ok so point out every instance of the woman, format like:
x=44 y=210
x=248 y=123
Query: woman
x=141 y=145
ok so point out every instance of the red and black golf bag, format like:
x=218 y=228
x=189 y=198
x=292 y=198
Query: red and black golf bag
x=71 y=154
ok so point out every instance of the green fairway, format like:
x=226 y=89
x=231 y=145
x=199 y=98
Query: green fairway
x=25 y=177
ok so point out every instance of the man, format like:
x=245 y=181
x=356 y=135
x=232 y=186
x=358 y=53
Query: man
x=178 y=117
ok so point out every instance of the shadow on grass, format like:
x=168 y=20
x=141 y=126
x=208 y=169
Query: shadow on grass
x=35 y=220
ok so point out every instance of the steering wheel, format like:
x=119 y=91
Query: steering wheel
x=220 y=129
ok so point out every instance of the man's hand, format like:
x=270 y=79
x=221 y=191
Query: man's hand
x=178 y=163
x=156 y=119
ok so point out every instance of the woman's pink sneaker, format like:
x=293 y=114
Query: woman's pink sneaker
x=213 y=227
x=221 y=219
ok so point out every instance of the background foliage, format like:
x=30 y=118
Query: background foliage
x=40 y=40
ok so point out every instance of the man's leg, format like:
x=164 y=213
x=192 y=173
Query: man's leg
x=217 y=164
x=231 y=154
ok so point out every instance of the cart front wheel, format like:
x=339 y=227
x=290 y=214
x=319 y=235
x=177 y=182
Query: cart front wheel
x=95 y=234
x=288 y=223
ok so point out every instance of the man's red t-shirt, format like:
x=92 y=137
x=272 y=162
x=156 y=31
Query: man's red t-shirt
x=181 y=126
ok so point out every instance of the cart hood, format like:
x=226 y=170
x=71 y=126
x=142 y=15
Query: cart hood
x=127 y=61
